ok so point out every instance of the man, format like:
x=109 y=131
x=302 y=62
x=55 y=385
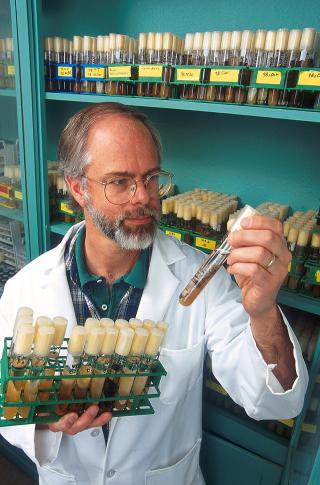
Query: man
x=118 y=264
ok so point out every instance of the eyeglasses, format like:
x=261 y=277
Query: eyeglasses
x=121 y=189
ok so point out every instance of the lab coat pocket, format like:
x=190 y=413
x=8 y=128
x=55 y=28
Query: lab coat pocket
x=49 y=476
x=184 y=369
x=185 y=472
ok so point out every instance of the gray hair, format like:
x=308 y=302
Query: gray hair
x=73 y=155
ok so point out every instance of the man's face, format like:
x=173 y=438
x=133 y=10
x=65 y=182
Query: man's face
x=120 y=146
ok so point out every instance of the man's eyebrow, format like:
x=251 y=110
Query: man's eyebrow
x=128 y=174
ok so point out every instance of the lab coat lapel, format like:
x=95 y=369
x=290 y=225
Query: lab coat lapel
x=55 y=287
x=161 y=282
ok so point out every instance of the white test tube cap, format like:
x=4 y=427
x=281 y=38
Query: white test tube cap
x=247 y=211
x=23 y=340
x=43 y=341
x=77 y=340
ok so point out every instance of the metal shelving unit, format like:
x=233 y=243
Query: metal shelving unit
x=199 y=106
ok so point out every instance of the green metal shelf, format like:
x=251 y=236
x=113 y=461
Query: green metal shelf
x=222 y=108
x=300 y=302
x=8 y=92
x=15 y=214
x=244 y=433
x=60 y=227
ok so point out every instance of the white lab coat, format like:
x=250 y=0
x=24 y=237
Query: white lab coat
x=158 y=449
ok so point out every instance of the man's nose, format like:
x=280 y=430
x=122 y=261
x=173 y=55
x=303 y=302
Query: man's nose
x=141 y=195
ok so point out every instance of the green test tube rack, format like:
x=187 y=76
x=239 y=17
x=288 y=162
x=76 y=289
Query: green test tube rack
x=43 y=411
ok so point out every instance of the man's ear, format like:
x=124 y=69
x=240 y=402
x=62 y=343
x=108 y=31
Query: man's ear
x=76 y=190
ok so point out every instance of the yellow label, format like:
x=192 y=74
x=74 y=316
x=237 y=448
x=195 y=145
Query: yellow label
x=18 y=194
x=287 y=422
x=224 y=75
x=309 y=78
x=289 y=266
x=65 y=71
x=119 y=71
x=11 y=71
x=188 y=74
x=150 y=71
x=174 y=234
x=269 y=77
x=309 y=428
x=205 y=243
x=95 y=72
x=65 y=208
x=216 y=387
x=318 y=276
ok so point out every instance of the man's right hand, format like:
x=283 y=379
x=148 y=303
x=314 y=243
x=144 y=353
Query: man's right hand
x=72 y=424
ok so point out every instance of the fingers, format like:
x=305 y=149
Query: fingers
x=264 y=238
x=72 y=424
x=255 y=254
x=263 y=222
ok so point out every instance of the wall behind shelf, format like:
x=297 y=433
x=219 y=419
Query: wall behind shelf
x=256 y=158
x=128 y=17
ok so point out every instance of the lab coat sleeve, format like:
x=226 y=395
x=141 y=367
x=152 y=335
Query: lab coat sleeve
x=41 y=446
x=238 y=364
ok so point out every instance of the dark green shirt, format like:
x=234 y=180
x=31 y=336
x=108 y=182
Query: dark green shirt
x=105 y=299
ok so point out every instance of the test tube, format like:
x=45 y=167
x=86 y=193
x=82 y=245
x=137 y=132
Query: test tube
x=234 y=60
x=154 y=342
x=75 y=350
x=281 y=55
x=248 y=55
x=18 y=363
x=104 y=365
x=257 y=60
x=210 y=267
x=92 y=349
x=137 y=349
x=42 y=343
x=59 y=325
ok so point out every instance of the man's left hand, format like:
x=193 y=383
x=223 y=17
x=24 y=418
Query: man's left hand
x=259 y=261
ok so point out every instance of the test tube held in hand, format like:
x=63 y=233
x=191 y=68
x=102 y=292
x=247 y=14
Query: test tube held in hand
x=210 y=267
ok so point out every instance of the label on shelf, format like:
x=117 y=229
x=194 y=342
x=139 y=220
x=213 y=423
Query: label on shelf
x=188 y=74
x=150 y=70
x=309 y=78
x=65 y=208
x=224 y=75
x=309 y=428
x=95 y=72
x=287 y=422
x=317 y=275
x=274 y=78
x=216 y=387
x=64 y=71
x=119 y=71
x=18 y=194
x=174 y=234
x=205 y=243
x=11 y=70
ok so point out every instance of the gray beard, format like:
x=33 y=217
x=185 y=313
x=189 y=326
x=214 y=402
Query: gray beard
x=137 y=238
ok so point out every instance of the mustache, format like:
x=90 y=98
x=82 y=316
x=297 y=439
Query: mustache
x=140 y=212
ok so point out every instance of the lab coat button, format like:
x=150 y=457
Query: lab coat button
x=104 y=307
x=95 y=432
x=111 y=473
